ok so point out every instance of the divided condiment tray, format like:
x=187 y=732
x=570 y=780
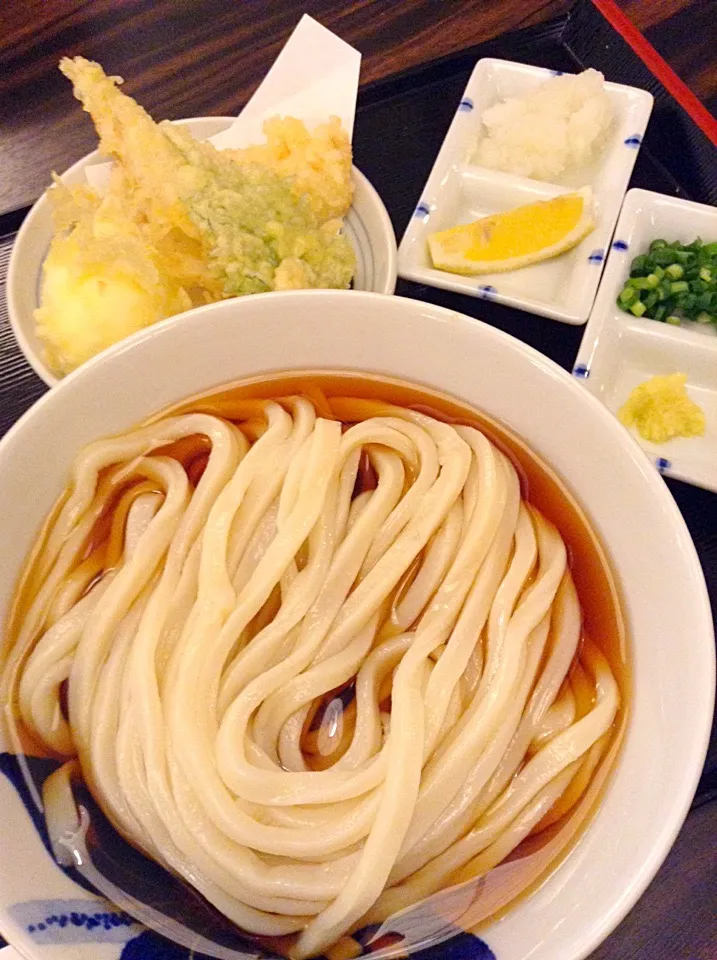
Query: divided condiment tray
x=460 y=191
x=620 y=351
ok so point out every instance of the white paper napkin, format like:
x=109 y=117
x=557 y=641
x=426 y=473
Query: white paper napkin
x=314 y=77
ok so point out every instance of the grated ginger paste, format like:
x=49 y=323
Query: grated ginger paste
x=660 y=409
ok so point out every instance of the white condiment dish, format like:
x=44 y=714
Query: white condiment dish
x=619 y=350
x=458 y=190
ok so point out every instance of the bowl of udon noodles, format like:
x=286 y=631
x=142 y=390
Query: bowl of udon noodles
x=338 y=624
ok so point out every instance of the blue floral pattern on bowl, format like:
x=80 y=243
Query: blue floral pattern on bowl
x=633 y=141
x=466 y=105
x=69 y=922
x=597 y=256
x=94 y=920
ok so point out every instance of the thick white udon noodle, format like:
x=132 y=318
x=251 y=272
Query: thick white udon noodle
x=192 y=664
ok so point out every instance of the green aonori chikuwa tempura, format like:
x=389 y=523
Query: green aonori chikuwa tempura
x=182 y=223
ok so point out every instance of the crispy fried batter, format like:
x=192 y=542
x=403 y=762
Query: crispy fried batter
x=183 y=224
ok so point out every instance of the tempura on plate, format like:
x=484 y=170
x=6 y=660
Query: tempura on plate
x=182 y=223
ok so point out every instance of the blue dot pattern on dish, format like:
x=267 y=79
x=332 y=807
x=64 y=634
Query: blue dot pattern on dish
x=74 y=921
x=466 y=105
x=581 y=371
x=633 y=141
x=486 y=291
x=422 y=211
x=597 y=256
x=557 y=73
x=620 y=245
x=663 y=464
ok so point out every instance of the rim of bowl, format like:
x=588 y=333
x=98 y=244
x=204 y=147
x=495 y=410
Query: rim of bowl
x=665 y=832
x=386 y=236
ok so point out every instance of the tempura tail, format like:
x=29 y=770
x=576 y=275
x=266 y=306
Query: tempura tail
x=148 y=161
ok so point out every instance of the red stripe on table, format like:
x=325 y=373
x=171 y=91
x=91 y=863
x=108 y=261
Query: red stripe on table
x=659 y=67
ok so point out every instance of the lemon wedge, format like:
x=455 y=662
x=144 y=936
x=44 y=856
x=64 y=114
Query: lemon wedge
x=516 y=238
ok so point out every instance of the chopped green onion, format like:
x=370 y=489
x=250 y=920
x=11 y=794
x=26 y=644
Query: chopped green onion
x=664 y=291
x=638 y=308
x=639 y=265
x=664 y=256
x=672 y=282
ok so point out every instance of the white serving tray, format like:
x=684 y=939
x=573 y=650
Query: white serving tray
x=619 y=351
x=459 y=191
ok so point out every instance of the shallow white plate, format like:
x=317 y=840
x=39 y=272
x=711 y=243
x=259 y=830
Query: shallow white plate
x=620 y=351
x=367 y=226
x=459 y=191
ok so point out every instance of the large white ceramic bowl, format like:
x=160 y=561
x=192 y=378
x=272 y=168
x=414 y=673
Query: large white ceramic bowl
x=665 y=599
x=367 y=226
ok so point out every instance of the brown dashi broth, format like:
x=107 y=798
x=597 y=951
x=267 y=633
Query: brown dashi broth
x=327 y=729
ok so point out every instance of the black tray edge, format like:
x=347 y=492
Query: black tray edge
x=683 y=149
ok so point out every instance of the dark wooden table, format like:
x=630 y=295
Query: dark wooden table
x=193 y=57
x=188 y=58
